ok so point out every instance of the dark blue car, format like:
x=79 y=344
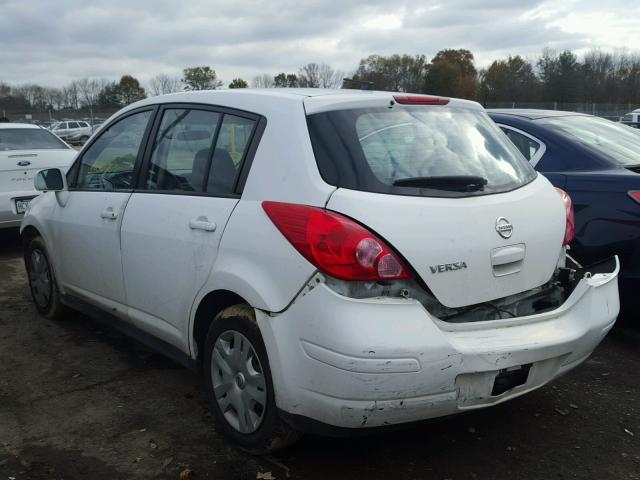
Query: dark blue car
x=597 y=162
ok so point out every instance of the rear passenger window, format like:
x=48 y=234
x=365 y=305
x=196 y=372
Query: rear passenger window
x=181 y=153
x=231 y=147
x=527 y=146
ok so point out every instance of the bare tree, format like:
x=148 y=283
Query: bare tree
x=330 y=78
x=88 y=90
x=262 y=81
x=162 y=84
x=309 y=76
x=314 y=75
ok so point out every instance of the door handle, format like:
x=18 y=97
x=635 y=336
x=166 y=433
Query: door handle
x=109 y=213
x=202 y=223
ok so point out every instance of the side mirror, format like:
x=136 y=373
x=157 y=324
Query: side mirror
x=50 y=180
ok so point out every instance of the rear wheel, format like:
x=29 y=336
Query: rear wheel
x=83 y=139
x=238 y=381
x=42 y=282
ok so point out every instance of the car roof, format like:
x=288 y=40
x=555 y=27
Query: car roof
x=533 y=114
x=265 y=100
x=18 y=125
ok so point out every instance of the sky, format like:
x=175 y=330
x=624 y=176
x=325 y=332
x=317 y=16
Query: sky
x=52 y=42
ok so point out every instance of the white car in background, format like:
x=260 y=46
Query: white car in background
x=74 y=132
x=25 y=149
x=327 y=259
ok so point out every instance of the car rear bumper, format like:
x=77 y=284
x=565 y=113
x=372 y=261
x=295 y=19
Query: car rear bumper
x=8 y=215
x=364 y=363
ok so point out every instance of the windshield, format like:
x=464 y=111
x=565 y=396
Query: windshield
x=380 y=149
x=619 y=143
x=29 y=139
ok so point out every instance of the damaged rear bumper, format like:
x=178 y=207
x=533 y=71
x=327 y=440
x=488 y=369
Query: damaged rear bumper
x=358 y=363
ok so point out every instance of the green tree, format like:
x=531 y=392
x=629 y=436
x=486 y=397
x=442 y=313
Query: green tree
x=452 y=73
x=129 y=90
x=401 y=73
x=560 y=76
x=200 y=78
x=510 y=80
x=285 y=80
x=238 y=83
x=109 y=96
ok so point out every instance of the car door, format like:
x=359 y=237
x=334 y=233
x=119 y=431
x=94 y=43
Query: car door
x=86 y=226
x=175 y=219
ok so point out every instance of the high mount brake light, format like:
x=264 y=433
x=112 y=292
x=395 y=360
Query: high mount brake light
x=635 y=195
x=336 y=244
x=570 y=228
x=420 y=100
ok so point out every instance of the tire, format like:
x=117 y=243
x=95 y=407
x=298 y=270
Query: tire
x=42 y=281
x=83 y=140
x=238 y=381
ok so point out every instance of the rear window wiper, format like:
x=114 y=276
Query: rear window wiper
x=456 y=183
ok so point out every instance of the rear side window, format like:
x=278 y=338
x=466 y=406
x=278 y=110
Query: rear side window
x=231 y=148
x=181 y=152
x=199 y=151
x=527 y=146
x=372 y=149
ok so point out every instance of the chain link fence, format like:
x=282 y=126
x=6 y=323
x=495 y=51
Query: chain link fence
x=611 y=111
x=47 y=118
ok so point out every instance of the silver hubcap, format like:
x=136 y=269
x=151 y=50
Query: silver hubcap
x=40 y=278
x=238 y=381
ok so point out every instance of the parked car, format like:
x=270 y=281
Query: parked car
x=330 y=260
x=597 y=162
x=631 y=119
x=24 y=150
x=74 y=132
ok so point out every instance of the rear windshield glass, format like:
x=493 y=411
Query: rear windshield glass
x=29 y=139
x=619 y=143
x=370 y=149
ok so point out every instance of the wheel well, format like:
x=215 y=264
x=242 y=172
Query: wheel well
x=28 y=234
x=212 y=304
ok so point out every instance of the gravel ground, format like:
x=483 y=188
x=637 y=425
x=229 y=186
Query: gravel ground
x=78 y=400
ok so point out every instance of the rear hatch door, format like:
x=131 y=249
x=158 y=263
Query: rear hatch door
x=444 y=187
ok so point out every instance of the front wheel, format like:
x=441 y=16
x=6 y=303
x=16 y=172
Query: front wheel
x=237 y=377
x=42 y=282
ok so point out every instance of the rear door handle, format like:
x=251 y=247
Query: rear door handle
x=202 y=223
x=109 y=213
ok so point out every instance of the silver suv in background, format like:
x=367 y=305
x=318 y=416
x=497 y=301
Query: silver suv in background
x=631 y=119
x=74 y=132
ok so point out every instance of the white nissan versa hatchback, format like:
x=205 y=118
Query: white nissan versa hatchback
x=331 y=260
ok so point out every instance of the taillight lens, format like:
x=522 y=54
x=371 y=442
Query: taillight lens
x=635 y=195
x=570 y=229
x=336 y=244
x=420 y=100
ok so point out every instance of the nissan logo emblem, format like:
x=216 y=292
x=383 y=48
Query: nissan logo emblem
x=503 y=227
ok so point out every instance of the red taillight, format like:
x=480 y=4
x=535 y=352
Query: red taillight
x=570 y=229
x=635 y=195
x=420 y=100
x=335 y=244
